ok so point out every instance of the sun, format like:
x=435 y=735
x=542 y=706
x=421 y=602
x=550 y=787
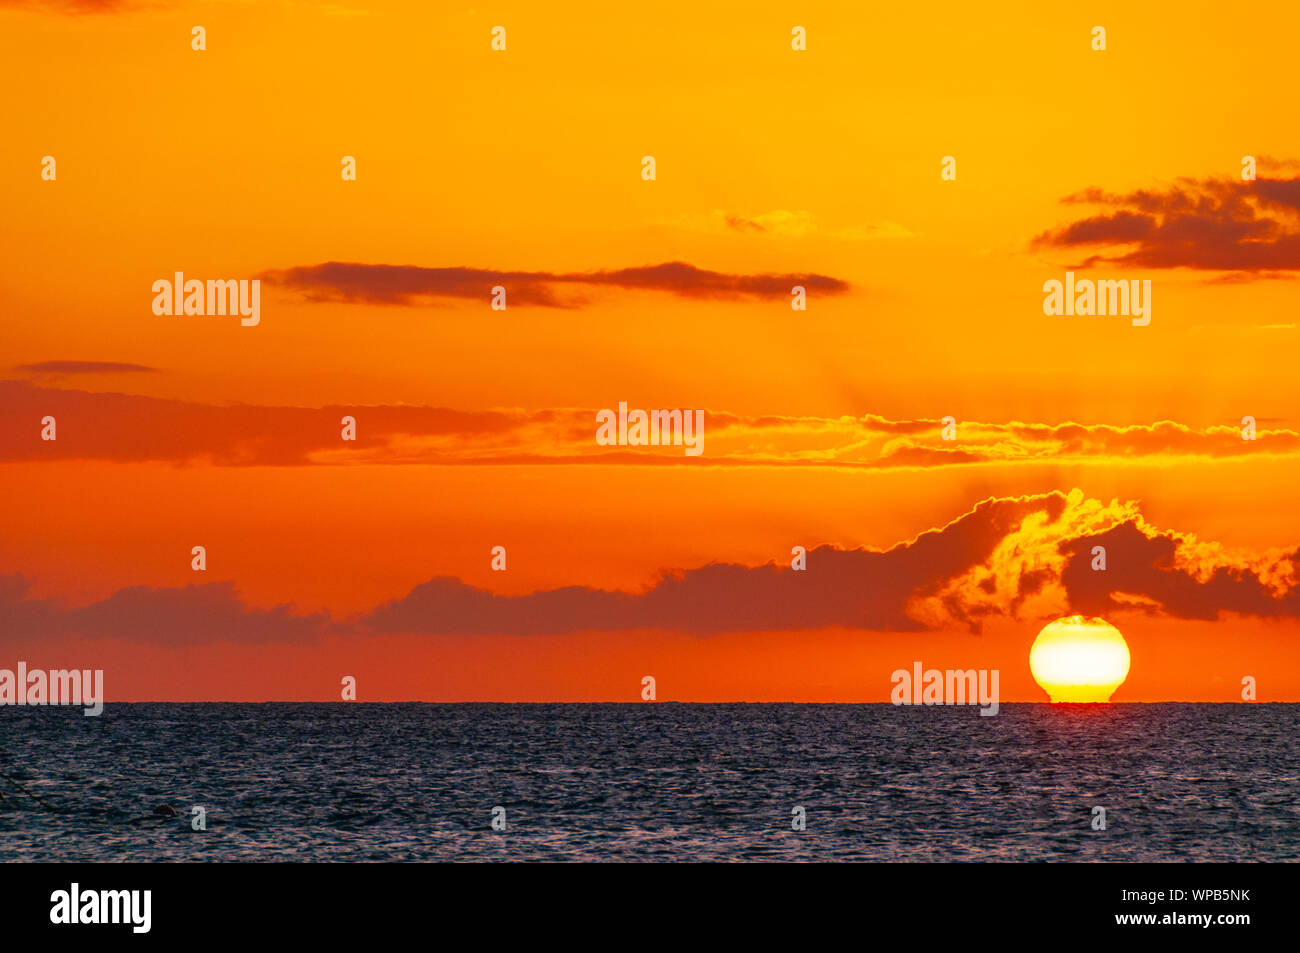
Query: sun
x=1078 y=659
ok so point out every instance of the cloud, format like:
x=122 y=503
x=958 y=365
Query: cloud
x=862 y=588
x=131 y=428
x=175 y=616
x=1250 y=229
x=1044 y=569
x=59 y=368
x=1026 y=558
x=407 y=284
x=73 y=6
x=1175 y=575
x=784 y=223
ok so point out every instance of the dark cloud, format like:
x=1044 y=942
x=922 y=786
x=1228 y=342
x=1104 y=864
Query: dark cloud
x=84 y=367
x=176 y=616
x=404 y=284
x=132 y=428
x=1249 y=228
x=75 y=6
x=1000 y=559
x=861 y=589
x=1147 y=566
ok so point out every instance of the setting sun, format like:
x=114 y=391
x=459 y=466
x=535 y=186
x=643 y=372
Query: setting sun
x=1079 y=659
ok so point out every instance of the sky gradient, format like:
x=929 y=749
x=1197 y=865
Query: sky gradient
x=522 y=168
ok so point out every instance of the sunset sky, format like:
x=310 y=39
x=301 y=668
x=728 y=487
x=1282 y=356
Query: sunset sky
x=522 y=168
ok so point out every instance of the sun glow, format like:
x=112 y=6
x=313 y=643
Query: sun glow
x=1078 y=659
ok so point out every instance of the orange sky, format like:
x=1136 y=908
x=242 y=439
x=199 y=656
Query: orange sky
x=476 y=427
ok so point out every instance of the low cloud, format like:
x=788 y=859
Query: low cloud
x=179 y=616
x=1026 y=558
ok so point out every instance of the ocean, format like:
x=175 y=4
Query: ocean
x=651 y=782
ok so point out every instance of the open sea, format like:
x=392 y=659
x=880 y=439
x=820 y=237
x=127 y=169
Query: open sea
x=651 y=782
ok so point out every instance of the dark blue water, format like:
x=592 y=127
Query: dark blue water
x=664 y=781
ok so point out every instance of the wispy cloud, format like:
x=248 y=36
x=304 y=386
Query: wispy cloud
x=126 y=427
x=77 y=6
x=408 y=284
x=61 y=368
x=785 y=223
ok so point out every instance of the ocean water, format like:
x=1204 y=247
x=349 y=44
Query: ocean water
x=647 y=782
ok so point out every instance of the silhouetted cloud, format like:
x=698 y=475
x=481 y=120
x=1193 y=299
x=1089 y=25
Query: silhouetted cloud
x=1026 y=558
x=1044 y=569
x=77 y=6
x=172 y=616
x=132 y=428
x=1218 y=224
x=83 y=367
x=404 y=284
x=861 y=589
x=1155 y=567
